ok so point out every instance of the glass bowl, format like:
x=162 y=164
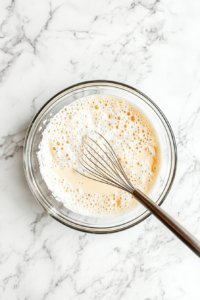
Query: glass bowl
x=43 y=195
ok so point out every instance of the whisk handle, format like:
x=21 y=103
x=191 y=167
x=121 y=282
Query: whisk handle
x=185 y=236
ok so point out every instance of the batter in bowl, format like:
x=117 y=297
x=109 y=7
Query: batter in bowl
x=129 y=132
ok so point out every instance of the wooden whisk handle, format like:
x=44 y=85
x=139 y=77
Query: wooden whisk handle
x=185 y=236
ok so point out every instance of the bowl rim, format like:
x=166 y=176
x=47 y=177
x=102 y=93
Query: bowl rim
x=70 y=224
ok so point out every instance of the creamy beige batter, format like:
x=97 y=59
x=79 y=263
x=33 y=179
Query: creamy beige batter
x=128 y=131
x=84 y=183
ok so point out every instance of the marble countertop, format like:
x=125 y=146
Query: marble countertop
x=47 y=45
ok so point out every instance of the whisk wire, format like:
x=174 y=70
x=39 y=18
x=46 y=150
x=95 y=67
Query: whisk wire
x=100 y=176
x=117 y=176
x=100 y=170
x=104 y=166
x=102 y=179
x=118 y=162
x=102 y=157
x=120 y=168
x=95 y=157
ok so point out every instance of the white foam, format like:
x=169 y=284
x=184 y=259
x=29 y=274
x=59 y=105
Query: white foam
x=128 y=131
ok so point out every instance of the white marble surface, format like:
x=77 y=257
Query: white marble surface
x=48 y=45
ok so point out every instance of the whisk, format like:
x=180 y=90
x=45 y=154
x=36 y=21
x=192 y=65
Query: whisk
x=100 y=163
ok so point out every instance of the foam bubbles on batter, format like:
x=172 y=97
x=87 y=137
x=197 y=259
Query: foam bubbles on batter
x=128 y=131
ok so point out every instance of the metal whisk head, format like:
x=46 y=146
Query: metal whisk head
x=100 y=161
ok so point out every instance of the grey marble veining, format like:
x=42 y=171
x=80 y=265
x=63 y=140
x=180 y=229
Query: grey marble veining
x=46 y=46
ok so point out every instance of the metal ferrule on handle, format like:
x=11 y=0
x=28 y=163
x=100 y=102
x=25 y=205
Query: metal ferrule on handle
x=185 y=236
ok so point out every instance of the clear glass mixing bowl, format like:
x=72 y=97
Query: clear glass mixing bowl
x=34 y=136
